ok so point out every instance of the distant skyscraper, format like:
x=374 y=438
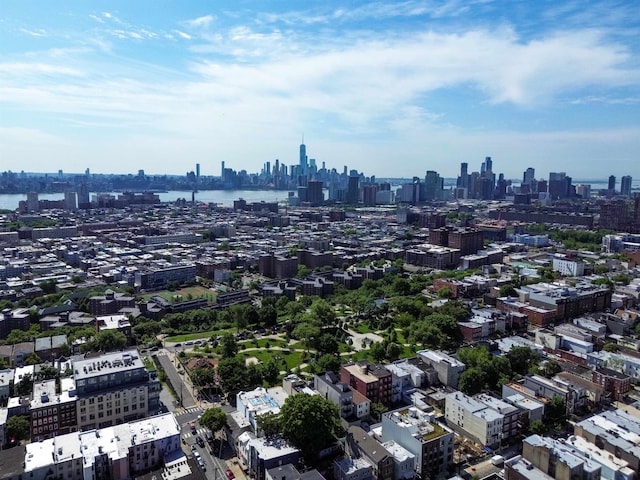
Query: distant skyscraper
x=32 y=202
x=612 y=183
x=69 y=200
x=625 y=185
x=222 y=170
x=488 y=164
x=303 y=156
x=197 y=171
x=529 y=176
x=353 y=190
x=83 y=195
x=433 y=185
x=463 y=179
x=314 y=193
x=559 y=185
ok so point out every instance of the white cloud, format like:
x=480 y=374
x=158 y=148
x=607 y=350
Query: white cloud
x=184 y=35
x=363 y=93
x=26 y=69
x=96 y=18
x=107 y=15
x=34 y=33
x=200 y=22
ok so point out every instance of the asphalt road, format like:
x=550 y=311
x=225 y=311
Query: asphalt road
x=176 y=379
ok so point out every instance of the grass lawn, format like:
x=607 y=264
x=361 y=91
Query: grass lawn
x=292 y=360
x=262 y=343
x=198 y=292
x=195 y=336
x=362 y=328
x=195 y=292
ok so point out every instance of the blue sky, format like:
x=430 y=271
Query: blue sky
x=391 y=88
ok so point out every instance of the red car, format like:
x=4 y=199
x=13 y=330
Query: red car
x=230 y=474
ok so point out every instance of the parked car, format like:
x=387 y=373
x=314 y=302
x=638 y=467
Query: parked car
x=200 y=441
x=230 y=474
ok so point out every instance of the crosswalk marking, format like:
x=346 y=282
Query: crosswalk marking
x=199 y=431
x=188 y=410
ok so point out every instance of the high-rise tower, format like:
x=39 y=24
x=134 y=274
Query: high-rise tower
x=303 y=156
x=625 y=186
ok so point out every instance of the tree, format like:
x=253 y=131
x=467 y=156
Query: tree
x=228 y=345
x=327 y=344
x=377 y=409
x=203 y=377
x=508 y=290
x=303 y=271
x=232 y=372
x=550 y=368
x=25 y=386
x=251 y=315
x=268 y=315
x=307 y=333
x=32 y=359
x=378 y=351
x=18 y=427
x=269 y=423
x=310 y=423
x=556 y=409
x=329 y=363
x=472 y=381
x=610 y=347
x=47 y=372
x=445 y=292
x=393 y=351
x=213 y=418
x=107 y=341
x=538 y=427
x=323 y=313
x=270 y=371
x=522 y=359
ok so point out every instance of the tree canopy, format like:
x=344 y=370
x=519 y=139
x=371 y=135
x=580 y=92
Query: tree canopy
x=213 y=418
x=310 y=422
x=18 y=427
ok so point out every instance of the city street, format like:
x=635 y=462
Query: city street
x=183 y=391
x=214 y=460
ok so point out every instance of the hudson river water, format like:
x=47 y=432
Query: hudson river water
x=222 y=197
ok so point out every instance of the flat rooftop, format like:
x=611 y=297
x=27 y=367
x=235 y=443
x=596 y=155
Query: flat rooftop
x=107 y=363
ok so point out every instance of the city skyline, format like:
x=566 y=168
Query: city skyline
x=392 y=89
